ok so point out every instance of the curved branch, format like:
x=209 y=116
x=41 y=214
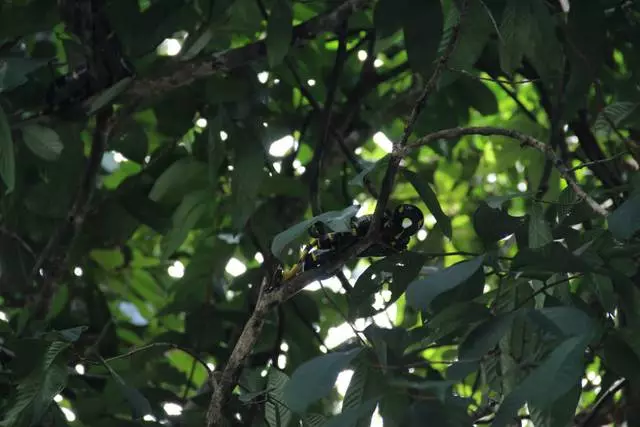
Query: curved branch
x=525 y=141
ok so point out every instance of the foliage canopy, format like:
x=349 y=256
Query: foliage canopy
x=159 y=159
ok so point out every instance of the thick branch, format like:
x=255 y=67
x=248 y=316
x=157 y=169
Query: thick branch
x=525 y=140
x=189 y=71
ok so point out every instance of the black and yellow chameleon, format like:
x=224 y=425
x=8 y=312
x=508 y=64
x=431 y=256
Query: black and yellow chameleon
x=397 y=228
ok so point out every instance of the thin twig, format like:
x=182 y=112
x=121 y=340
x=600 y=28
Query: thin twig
x=587 y=164
x=525 y=141
x=170 y=346
x=322 y=146
x=397 y=153
x=53 y=257
x=14 y=236
x=602 y=400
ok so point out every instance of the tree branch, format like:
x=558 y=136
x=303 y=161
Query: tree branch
x=270 y=297
x=187 y=72
x=397 y=153
x=525 y=141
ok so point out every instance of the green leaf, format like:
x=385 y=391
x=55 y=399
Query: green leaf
x=279 y=32
x=275 y=412
x=554 y=377
x=387 y=16
x=422 y=23
x=492 y=225
x=350 y=416
x=175 y=177
x=602 y=286
x=246 y=180
x=569 y=321
x=192 y=208
x=625 y=220
x=139 y=404
x=561 y=413
x=397 y=271
x=485 y=336
x=70 y=335
x=539 y=230
x=59 y=301
x=369 y=167
x=612 y=114
x=456 y=318
x=107 y=96
x=7 y=157
x=420 y=293
x=431 y=200
x=34 y=394
x=336 y=220
x=44 y=142
x=366 y=383
x=516 y=33
x=474 y=35
x=14 y=71
x=315 y=378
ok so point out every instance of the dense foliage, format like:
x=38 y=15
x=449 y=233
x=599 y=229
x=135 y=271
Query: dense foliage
x=160 y=158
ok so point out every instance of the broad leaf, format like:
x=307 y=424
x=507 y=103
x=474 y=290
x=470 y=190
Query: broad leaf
x=625 y=220
x=421 y=292
x=7 y=157
x=515 y=29
x=422 y=22
x=139 y=404
x=44 y=142
x=275 y=412
x=315 y=378
x=349 y=416
x=539 y=230
x=554 y=377
x=279 y=31
x=431 y=200
x=486 y=336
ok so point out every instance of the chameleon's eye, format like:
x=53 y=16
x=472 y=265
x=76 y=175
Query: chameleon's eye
x=406 y=223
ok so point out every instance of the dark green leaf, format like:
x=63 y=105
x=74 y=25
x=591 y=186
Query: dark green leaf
x=554 y=377
x=189 y=212
x=44 y=142
x=315 y=378
x=625 y=220
x=516 y=33
x=246 y=180
x=422 y=22
x=492 y=225
x=539 y=230
x=35 y=393
x=139 y=404
x=397 y=271
x=175 y=177
x=431 y=200
x=421 y=292
x=350 y=416
x=14 y=71
x=275 y=412
x=485 y=337
x=109 y=95
x=7 y=158
x=279 y=31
